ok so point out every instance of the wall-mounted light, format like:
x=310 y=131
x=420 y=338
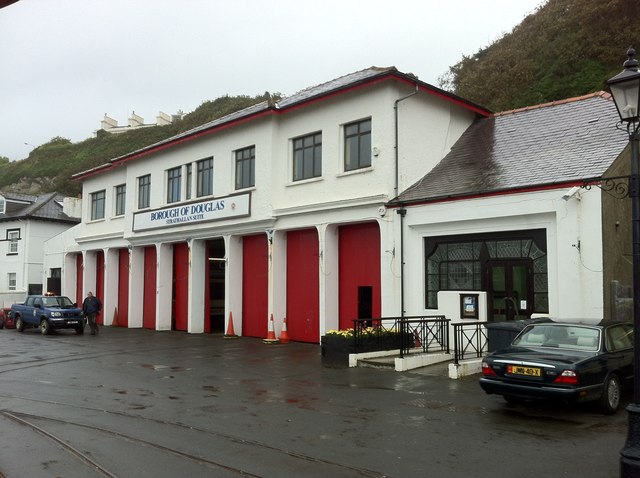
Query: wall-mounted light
x=573 y=192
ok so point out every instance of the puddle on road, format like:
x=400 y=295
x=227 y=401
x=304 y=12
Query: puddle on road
x=159 y=368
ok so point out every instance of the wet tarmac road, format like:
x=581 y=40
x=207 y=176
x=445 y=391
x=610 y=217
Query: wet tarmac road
x=167 y=404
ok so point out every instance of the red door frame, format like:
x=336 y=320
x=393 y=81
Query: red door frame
x=149 y=294
x=358 y=266
x=181 y=286
x=303 y=285
x=255 y=283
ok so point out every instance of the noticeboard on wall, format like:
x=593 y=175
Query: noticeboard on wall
x=469 y=306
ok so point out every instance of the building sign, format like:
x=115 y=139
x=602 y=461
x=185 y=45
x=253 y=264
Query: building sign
x=192 y=213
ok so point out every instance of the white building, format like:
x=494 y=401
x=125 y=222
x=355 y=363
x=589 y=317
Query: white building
x=26 y=222
x=291 y=209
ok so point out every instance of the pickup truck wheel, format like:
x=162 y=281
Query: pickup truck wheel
x=19 y=324
x=45 y=328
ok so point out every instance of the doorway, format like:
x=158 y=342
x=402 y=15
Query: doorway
x=510 y=290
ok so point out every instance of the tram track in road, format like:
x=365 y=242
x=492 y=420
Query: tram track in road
x=27 y=419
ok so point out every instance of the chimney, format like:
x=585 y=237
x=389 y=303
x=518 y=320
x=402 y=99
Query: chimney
x=108 y=123
x=135 y=121
x=163 y=119
x=72 y=207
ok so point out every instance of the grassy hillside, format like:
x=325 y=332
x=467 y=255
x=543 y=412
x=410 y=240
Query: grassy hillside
x=50 y=166
x=567 y=48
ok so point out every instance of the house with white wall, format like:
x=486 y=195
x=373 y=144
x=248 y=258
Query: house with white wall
x=371 y=195
x=514 y=212
x=26 y=222
x=277 y=210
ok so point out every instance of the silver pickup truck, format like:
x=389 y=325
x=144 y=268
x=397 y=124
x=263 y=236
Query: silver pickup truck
x=48 y=312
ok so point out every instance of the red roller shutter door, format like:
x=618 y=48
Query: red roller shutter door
x=149 y=294
x=255 y=283
x=359 y=271
x=181 y=286
x=123 y=288
x=303 y=321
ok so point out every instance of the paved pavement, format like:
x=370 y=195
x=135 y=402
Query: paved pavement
x=143 y=403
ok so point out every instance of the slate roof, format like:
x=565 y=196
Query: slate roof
x=47 y=207
x=339 y=85
x=554 y=143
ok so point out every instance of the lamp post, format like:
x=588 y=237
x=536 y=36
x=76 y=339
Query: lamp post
x=625 y=89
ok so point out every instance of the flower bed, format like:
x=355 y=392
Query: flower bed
x=338 y=344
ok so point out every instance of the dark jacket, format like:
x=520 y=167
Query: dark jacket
x=91 y=305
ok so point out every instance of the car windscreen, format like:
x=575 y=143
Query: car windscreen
x=574 y=337
x=63 y=302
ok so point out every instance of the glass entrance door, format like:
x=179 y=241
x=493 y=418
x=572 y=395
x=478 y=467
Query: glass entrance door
x=510 y=290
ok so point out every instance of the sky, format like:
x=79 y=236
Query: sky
x=64 y=64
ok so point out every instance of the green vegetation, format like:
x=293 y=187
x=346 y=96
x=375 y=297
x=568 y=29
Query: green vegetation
x=50 y=166
x=566 y=48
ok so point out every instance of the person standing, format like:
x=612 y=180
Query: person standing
x=91 y=306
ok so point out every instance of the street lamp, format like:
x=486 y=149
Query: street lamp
x=625 y=89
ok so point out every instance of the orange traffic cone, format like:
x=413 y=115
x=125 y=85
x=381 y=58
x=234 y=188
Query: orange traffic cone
x=230 y=333
x=417 y=343
x=115 y=318
x=284 y=336
x=271 y=335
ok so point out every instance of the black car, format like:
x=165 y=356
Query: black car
x=574 y=362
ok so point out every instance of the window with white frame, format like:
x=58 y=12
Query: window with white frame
x=144 y=191
x=12 y=281
x=204 y=169
x=307 y=157
x=13 y=236
x=357 y=145
x=3 y=205
x=97 y=205
x=174 y=184
x=121 y=197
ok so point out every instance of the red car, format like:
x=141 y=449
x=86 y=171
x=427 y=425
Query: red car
x=6 y=319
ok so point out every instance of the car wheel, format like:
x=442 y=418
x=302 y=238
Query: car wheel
x=80 y=329
x=19 y=324
x=1 y=324
x=45 y=328
x=610 y=400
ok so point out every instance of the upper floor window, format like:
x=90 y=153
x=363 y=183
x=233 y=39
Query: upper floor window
x=13 y=236
x=121 y=196
x=3 y=206
x=205 y=177
x=307 y=157
x=357 y=145
x=144 y=191
x=246 y=167
x=189 y=181
x=174 y=184
x=97 y=205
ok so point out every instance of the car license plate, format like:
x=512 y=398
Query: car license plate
x=520 y=370
x=72 y=322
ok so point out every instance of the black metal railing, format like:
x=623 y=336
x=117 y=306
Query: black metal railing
x=416 y=333
x=469 y=340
